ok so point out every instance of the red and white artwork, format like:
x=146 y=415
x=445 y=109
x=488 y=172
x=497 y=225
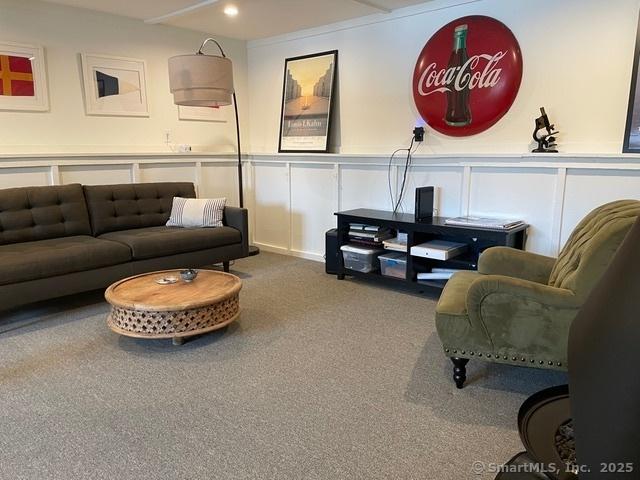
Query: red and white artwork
x=467 y=76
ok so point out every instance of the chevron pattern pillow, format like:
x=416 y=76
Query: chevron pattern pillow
x=196 y=212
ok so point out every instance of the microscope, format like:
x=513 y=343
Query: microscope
x=546 y=141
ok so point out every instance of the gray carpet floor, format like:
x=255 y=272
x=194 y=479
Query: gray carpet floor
x=319 y=379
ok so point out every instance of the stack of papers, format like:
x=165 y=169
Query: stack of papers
x=484 y=222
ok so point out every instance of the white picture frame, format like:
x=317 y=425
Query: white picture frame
x=201 y=114
x=39 y=101
x=121 y=88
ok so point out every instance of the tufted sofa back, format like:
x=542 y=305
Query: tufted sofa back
x=36 y=213
x=137 y=205
x=592 y=245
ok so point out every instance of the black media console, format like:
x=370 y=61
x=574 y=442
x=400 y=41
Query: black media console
x=478 y=239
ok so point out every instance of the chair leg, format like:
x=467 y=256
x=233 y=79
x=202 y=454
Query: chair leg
x=225 y=266
x=459 y=370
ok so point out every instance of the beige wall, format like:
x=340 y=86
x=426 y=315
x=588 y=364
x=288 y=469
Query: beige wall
x=65 y=32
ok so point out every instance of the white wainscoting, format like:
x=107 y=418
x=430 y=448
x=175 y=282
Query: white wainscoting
x=214 y=175
x=292 y=198
x=296 y=195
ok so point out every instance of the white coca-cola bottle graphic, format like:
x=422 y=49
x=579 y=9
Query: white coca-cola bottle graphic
x=458 y=113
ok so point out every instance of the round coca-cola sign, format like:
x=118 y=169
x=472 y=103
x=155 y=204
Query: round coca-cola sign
x=467 y=75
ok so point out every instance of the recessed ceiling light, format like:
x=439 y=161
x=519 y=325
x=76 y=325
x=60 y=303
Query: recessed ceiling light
x=231 y=10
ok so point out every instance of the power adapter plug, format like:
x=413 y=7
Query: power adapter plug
x=418 y=134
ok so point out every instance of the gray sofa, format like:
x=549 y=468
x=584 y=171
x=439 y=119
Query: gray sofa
x=62 y=240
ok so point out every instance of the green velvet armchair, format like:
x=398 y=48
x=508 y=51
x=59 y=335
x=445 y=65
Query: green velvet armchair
x=518 y=307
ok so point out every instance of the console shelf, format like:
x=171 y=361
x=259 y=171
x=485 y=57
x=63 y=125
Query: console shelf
x=477 y=239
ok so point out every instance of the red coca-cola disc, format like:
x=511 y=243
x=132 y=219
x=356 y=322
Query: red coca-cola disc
x=462 y=95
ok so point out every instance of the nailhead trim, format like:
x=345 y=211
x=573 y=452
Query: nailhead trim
x=504 y=357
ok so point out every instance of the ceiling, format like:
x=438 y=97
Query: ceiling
x=256 y=18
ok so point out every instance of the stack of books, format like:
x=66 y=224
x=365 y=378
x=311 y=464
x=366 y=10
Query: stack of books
x=369 y=235
x=397 y=244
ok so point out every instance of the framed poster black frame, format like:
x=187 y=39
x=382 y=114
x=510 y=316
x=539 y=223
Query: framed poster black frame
x=331 y=101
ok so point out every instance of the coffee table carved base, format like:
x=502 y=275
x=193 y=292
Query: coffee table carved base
x=152 y=324
x=130 y=319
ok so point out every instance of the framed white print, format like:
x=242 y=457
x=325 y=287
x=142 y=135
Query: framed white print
x=23 y=77
x=202 y=114
x=114 y=86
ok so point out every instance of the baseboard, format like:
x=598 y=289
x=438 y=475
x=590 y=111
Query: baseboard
x=317 y=257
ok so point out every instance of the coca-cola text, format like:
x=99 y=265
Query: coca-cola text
x=459 y=78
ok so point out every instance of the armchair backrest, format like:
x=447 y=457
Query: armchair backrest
x=592 y=245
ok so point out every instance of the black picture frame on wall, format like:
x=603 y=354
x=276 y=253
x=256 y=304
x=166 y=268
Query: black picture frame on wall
x=631 y=143
x=308 y=91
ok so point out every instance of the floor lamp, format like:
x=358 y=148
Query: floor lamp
x=199 y=80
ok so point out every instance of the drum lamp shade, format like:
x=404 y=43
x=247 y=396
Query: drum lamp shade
x=200 y=80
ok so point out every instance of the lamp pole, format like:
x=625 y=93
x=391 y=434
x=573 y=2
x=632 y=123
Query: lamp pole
x=235 y=108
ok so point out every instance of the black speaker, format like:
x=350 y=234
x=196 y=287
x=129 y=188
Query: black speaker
x=424 y=203
x=331 y=251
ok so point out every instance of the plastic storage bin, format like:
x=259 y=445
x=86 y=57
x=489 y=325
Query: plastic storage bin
x=394 y=264
x=360 y=259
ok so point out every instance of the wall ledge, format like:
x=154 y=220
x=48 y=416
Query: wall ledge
x=57 y=155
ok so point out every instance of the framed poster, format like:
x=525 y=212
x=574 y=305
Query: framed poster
x=201 y=114
x=114 y=86
x=307 y=93
x=631 y=143
x=23 y=77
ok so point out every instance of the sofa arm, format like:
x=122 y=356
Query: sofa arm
x=512 y=262
x=523 y=319
x=238 y=218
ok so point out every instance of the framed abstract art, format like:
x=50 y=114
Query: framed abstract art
x=114 y=86
x=23 y=77
x=307 y=98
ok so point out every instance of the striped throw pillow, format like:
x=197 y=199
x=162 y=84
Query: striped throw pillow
x=196 y=212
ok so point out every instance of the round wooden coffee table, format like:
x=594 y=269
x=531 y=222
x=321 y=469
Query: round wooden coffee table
x=142 y=308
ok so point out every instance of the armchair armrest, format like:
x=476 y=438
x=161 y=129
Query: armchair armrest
x=519 y=290
x=238 y=218
x=522 y=319
x=512 y=262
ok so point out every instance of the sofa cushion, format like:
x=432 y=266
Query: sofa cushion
x=164 y=241
x=137 y=205
x=36 y=213
x=20 y=262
